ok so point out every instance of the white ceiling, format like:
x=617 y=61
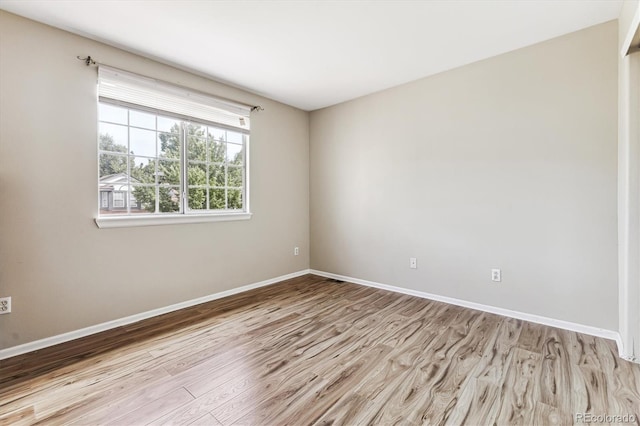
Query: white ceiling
x=312 y=54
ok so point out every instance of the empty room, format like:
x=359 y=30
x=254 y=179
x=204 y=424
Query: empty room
x=319 y=212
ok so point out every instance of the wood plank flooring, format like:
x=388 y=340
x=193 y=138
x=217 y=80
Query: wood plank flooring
x=316 y=351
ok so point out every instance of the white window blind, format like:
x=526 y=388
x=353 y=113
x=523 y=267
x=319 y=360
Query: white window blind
x=123 y=86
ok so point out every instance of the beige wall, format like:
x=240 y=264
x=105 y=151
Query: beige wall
x=64 y=273
x=509 y=162
x=506 y=163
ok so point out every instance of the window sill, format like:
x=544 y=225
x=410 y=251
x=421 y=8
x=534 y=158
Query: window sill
x=175 y=219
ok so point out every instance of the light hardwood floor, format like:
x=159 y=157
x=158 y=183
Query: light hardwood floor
x=316 y=351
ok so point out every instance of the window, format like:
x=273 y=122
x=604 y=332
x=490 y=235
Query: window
x=118 y=200
x=169 y=151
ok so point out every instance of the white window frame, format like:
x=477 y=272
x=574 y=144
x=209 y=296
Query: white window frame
x=186 y=215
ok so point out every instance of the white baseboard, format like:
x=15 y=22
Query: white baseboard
x=72 y=335
x=580 y=328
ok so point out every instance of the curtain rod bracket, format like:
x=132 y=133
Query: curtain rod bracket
x=256 y=108
x=87 y=61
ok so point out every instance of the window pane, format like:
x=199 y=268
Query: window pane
x=112 y=113
x=143 y=199
x=196 y=130
x=142 y=119
x=197 y=174
x=107 y=144
x=166 y=124
x=104 y=199
x=118 y=199
x=106 y=202
x=234 y=154
x=197 y=149
x=143 y=142
x=234 y=176
x=216 y=175
x=169 y=145
x=234 y=137
x=143 y=170
x=197 y=198
x=168 y=172
x=217 y=134
x=234 y=199
x=170 y=200
x=111 y=164
x=217 y=151
x=216 y=199
x=115 y=134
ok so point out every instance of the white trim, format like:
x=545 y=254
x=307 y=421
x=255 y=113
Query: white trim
x=246 y=203
x=87 y=331
x=629 y=206
x=580 y=328
x=72 y=335
x=169 y=219
x=633 y=27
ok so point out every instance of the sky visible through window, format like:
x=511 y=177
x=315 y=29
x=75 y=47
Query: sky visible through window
x=141 y=155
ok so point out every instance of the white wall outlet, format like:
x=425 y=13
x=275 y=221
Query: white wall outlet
x=496 y=275
x=296 y=251
x=413 y=263
x=5 y=305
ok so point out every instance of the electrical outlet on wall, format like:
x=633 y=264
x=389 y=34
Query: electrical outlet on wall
x=496 y=275
x=5 y=305
x=296 y=251
x=413 y=263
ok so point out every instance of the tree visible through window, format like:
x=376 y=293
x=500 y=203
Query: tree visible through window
x=167 y=150
x=165 y=164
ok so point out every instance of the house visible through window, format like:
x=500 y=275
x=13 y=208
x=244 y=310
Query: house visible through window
x=118 y=199
x=162 y=151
